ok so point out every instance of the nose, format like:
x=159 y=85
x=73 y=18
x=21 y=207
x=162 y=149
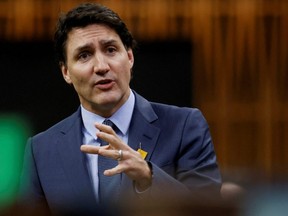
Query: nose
x=101 y=66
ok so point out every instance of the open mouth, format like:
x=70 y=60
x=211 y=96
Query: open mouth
x=105 y=84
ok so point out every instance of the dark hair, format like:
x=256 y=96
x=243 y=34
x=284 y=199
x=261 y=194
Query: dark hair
x=84 y=15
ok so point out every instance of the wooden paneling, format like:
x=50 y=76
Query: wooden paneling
x=241 y=82
x=240 y=64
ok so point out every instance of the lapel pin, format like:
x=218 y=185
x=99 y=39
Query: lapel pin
x=142 y=152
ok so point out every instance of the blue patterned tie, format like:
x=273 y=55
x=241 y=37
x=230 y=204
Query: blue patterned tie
x=109 y=186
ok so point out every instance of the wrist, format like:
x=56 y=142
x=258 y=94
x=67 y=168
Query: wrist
x=144 y=183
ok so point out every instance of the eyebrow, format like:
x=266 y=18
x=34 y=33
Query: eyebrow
x=83 y=47
x=109 y=41
x=89 y=45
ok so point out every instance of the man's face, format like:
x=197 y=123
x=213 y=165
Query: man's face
x=99 y=68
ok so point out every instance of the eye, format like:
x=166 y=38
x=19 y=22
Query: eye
x=84 y=56
x=111 y=49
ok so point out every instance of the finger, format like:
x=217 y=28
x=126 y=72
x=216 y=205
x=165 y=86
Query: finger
x=107 y=134
x=114 y=141
x=89 y=149
x=113 y=154
x=113 y=171
x=104 y=128
x=109 y=138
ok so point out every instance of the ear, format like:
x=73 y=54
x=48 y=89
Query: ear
x=65 y=73
x=130 y=57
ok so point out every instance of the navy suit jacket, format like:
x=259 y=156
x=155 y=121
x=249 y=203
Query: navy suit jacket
x=177 y=140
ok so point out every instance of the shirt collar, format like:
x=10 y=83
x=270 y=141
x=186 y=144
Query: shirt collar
x=121 y=118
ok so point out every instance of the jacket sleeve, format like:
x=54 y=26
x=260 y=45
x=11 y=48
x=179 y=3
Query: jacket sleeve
x=30 y=190
x=195 y=167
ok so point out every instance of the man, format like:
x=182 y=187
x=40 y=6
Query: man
x=157 y=150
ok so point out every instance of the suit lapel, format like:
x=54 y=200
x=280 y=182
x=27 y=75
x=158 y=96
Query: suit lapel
x=73 y=160
x=142 y=133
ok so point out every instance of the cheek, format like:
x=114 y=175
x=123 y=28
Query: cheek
x=127 y=68
x=80 y=74
x=126 y=74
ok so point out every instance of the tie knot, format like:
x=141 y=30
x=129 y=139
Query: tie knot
x=112 y=125
x=109 y=123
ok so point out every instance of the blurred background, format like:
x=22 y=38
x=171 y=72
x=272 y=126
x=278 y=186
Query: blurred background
x=229 y=58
